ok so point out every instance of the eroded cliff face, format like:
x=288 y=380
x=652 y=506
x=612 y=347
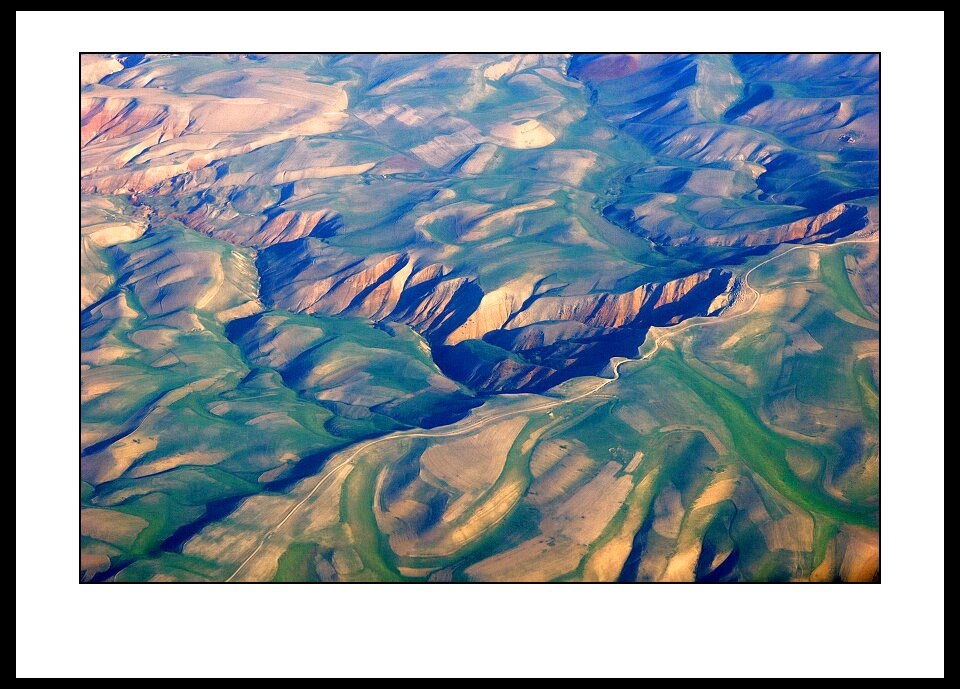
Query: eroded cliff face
x=518 y=337
x=656 y=216
x=553 y=338
x=653 y=304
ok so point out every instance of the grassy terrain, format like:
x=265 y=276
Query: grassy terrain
x=834 y=275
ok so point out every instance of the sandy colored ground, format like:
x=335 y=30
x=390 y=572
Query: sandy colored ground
x=176 y=460
x=116 y=459
x=861 y=556
x=111 y=526
x=472 y=464
x=525 y=133
x=607 y=561
x=502 y=219
x=567 y=534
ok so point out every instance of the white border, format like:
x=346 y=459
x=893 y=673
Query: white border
x=64 y=629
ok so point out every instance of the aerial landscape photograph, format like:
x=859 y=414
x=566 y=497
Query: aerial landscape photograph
x=479 y=317
x=526 y=343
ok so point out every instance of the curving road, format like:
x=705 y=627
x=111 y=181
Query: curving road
x=617 y=363
x=746 y=283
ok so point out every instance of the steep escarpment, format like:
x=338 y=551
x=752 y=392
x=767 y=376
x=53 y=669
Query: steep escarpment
x=659 y=217
x=558 y=337
x=656 y=304
x=517 y=337
x=309 y=276
x=274 y=226
x=490 y=369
